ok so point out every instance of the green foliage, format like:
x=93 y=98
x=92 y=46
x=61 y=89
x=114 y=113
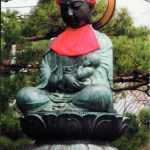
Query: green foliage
x=124 y=22
x=135 y=137
x=8 y=144
x=99 y=10
x=12 y=136
x=31 y=52
x=27 y=29
x=2 y=43
x=3 y=53
x=10 y=86
x=119 y=24
x=138 y=32
x=11 y=27
x=10 y=126
x=131 y=55
x=144 y=117
x=46 y=17
x=27 y=54
x=20 y=144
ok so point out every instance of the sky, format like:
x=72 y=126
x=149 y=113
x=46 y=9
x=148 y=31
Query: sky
x=139 y=9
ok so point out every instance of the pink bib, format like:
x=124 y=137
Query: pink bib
x=75 y=42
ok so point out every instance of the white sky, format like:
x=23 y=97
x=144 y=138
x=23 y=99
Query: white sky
x=139 y=9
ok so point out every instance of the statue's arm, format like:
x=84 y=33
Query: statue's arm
x=45 y=70
x=103 y=74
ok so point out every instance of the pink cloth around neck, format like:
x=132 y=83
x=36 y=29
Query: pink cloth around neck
x=75 y=42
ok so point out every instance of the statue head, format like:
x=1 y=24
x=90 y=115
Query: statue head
x=76 y=13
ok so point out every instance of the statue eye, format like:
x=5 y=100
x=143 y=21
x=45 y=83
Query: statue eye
x=77 y=5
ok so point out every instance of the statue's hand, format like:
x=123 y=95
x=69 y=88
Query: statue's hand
x=85 y=82
x=53 y=80
x=88 y=67
x=70 y=81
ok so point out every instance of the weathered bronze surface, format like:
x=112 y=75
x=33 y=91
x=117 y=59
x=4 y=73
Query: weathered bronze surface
x=73 y=102
x=63 y=86
x=74 y=126
x=81 y=83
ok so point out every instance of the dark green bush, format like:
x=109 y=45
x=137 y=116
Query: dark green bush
x=10 y=126
x=6 y=143
x=144 y=117
x=136 y=136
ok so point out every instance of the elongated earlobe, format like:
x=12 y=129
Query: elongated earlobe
x=91 y=8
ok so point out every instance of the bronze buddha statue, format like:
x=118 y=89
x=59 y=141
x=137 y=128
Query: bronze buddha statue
x=77 y=69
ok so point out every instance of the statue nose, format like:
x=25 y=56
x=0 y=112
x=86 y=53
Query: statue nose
x=70 y=12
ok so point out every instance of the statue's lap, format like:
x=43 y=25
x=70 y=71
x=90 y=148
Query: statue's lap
x=93 y=97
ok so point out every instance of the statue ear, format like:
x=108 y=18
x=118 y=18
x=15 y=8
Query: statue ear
x=91 y=7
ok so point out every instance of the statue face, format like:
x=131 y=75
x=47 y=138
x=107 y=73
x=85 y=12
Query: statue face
x=76 y=13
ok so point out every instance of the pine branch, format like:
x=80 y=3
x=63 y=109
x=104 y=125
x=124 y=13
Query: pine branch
x=131 y=78
x=134 y=87
x=36 y=38
x=46 y=36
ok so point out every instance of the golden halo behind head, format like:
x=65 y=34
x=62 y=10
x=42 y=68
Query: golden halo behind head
x=107 y=16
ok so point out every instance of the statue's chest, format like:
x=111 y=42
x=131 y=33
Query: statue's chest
x=66 y=63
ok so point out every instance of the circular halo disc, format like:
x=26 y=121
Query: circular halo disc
x=107 y=15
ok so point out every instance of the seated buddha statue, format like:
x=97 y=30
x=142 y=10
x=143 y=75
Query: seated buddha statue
x=77 y=70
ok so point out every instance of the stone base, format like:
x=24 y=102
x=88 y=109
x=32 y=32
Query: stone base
x=74 y=126
x=71 y=147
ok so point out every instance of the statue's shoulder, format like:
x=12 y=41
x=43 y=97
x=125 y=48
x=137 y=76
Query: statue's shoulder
x=48 y=51
x=103 y=39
